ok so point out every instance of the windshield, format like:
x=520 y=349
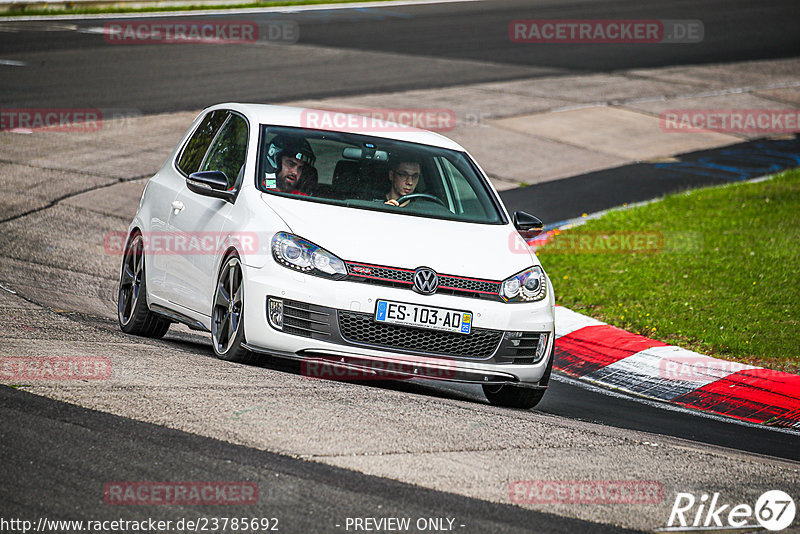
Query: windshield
x=364 y=172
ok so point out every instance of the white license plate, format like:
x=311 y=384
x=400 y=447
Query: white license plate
x=457 y=321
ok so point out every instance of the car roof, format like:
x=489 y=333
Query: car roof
x=301 y=118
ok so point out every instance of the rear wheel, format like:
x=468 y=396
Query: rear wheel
x=132 y=312
x=227 y=316
x=518 y=396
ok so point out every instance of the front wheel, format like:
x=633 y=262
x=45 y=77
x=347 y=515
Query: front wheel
x=518 y=396
x=227 y=319
x=132 y=312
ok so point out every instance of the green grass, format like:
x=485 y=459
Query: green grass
x=726 y=281
x=33 y=11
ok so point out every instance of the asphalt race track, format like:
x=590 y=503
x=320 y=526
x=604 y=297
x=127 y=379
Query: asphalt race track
x=38 y=431
x=372 y=50
x=57 y=457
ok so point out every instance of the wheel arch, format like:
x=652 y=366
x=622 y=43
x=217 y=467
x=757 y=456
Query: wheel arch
x=230 y=250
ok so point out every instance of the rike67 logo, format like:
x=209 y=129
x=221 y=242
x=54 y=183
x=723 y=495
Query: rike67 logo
x=774 y=510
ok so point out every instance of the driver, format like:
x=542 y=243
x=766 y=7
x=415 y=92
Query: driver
x=404 y=172
x=287 y=161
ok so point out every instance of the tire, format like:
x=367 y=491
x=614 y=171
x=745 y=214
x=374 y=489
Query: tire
x=133 y=315
x=227 y=313
x=518 y=396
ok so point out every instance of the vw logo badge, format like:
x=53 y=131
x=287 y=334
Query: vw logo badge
x=426 y=281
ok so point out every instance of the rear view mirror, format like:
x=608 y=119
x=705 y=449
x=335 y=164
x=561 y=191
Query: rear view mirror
x=527 y=225
x=210 y=184
x=365 y=153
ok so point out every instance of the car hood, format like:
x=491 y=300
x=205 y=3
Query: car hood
x=450 y=247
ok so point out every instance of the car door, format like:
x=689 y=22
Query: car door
x=199 y=222
x=163 y=190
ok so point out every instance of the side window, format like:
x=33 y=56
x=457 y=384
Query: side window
x=196 y=147
x=464 y=193
x=228 y=151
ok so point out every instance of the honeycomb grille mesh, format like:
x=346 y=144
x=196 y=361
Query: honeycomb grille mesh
x=388 y=273
x=360 y=328
x=463 y=284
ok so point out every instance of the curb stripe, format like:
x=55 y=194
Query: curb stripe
x=664 y=372
x=603 y=354
x=756 y=395
x=592 y=348
x=568 y=321
x=644 y=373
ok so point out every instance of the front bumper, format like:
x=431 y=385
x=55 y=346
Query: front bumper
x=329 y=323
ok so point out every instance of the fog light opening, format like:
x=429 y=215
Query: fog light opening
x=275 y=313
x=541 y=347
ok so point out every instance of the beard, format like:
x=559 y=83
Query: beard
x=285 y=183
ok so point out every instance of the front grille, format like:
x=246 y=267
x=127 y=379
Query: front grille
x=307 y=320
x=397 y=277
x=376 y=272
x=360 y=328
x=469 y=284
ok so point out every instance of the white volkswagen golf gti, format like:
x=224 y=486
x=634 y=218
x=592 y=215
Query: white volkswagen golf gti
x=364 y=246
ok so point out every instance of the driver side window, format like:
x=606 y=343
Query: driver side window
x=228 y=151
x=196 y=147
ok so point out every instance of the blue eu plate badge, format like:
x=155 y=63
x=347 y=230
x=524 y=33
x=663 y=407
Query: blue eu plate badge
x=382 y=304
x=466 y=323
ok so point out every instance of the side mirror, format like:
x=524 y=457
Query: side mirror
x=210 y=184
x=527 y=225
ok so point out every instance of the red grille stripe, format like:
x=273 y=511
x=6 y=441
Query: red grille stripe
x=379 y=278
x=467 y=278
x=468 y=290
x=442 y=277
x=379 y=266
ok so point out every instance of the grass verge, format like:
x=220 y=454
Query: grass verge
x=35 y=11
x=714 y=270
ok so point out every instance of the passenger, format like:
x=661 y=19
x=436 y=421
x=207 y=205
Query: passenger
x=285 y=162
x=404 y=173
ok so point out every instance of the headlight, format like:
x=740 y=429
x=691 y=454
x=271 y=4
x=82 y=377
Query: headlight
x=527 y=286
x=304 y=256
